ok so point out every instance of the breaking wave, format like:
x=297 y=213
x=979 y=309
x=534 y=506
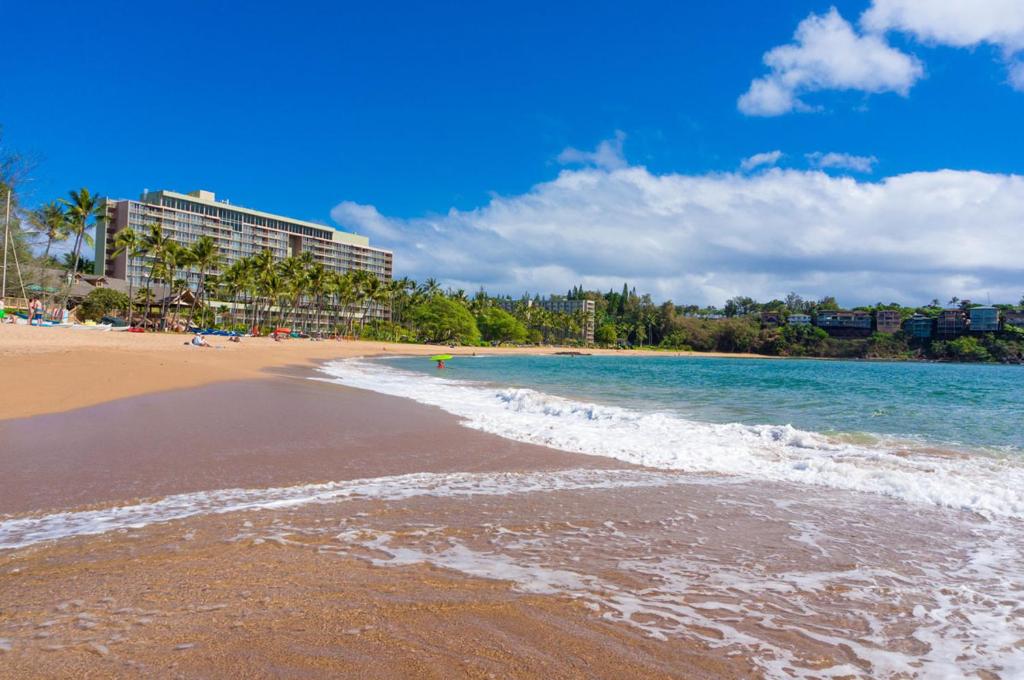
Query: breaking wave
x=988 y=485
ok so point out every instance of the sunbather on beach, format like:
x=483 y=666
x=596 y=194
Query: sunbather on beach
x=199 y=341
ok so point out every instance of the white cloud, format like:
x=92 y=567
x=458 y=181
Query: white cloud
x=704 y=238
x=828 y=54
x=607 y=155
x=759 y=159
x=842 y=161
x=956 y=23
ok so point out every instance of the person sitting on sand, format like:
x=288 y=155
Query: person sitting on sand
x=234 y=338
x=200 y=341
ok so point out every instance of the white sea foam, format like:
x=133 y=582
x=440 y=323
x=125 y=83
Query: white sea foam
x=20 y=532
x=987 y=485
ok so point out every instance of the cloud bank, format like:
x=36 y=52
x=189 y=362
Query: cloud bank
x=705 y=238
x=828 y=53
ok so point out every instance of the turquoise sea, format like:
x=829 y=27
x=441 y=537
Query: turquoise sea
x=963 y=406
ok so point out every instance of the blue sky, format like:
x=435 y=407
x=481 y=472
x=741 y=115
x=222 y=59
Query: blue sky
x=405 y=120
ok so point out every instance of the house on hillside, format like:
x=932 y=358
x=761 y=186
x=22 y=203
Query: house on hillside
x=919 y=326
x=1014 y=318
x=984 y=319
x=844 y=324
x=799 y=320
x=950 y=323
x=887 y=320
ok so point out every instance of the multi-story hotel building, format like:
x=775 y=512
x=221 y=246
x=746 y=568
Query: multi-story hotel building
x=238 y=232
x=561 y=305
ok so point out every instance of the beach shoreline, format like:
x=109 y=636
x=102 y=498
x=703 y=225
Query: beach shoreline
x=49 y=370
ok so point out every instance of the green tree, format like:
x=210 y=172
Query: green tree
x=606 y=334
x=442 y=320
x=497 y=325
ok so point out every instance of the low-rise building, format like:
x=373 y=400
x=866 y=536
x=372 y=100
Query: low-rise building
x=887 y=320
x=951 y=322
x=799 y=320
x=842 y=323
x=984 y=319
x=919 y=326
x=771 y=319
x=1014 y=318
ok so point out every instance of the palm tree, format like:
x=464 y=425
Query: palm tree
x=430 y=287
x=348 y=294
x=232 y=282
x=368 y=289
x=317 y=281
x=132 y=244
x=293 y=273
x=82 y=209
x=50 y=221
x=170 y=257
x=154 y=244
x=206 y=257
x=265 y=285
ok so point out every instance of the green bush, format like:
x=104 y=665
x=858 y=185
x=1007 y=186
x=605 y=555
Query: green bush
x=967 y=348
x=102 y=301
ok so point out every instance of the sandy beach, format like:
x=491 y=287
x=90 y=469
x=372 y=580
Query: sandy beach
x=171 y=512
x=93 y=421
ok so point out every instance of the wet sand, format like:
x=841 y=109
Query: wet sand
x=278 y=431
x=180 y=601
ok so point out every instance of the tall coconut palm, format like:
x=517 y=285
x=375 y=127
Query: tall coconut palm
x=293 y=274
x=175 y=256
x=81 y=213
x=132 y=244
x=231 y=283
x=347 y=293
x=317 y=282
x=154 y=243
x=265 y=284
x=430 y=287
x=50 y=221
x=205 y=257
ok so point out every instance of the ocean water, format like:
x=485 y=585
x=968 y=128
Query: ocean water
x=963 y=406
x=940 y=434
